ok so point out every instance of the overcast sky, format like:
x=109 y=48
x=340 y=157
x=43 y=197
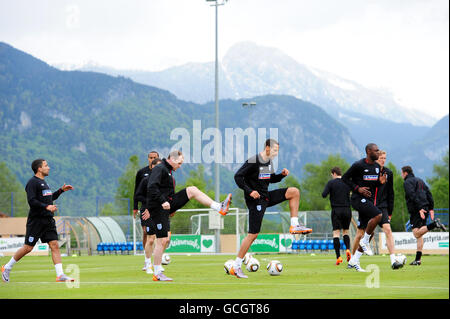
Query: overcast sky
x=400 y=45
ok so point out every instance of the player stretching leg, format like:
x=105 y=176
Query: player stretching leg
x=162 y=201
x=254 y=178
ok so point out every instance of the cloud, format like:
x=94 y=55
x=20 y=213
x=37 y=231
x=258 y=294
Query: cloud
x=401 y=45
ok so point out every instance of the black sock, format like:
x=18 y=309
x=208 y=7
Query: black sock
x=418 y=255
x=431 y=226
x=337 y=246
x=347 y=241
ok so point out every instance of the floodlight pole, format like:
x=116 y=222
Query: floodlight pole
x=216 y=98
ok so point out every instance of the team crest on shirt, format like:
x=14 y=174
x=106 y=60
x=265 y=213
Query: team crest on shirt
x=258 y=207
x=159 y=226
x=30 y=239
x=377 y=170
x=264 y=172
x=363 y=200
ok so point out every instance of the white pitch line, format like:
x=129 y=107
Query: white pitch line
x=50 y=270
x=246 y=284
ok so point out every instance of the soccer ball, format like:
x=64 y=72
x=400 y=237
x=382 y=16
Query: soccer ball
x=274 y=268
x=165 y=259
x=401 y=258
x=247 y=257
x=227 y=266
x=253 y=265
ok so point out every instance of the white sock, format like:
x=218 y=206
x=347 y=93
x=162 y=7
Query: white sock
x=59 y=269
x=11 y=263
x=366 y=238
x=156 y=269
x=294 y=221
x=215 y=205
x=392 y=258
x=357 y=255
x=148 y=261
x=238 y=262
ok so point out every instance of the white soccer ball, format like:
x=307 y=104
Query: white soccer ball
x=253 y=264
x=274 y=268
x=247 y=257
x=401 y=258
x=227 y=266
x=165 y=259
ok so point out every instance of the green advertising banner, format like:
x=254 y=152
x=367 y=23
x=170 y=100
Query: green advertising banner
x=184 y=244
x=286 y=241
x=265 y=243
x=191 y=244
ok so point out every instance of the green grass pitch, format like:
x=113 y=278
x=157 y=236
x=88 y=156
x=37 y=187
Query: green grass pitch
x=203 y=277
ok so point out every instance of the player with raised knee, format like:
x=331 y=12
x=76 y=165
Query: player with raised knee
x=364 y=178
x=420 y=204
x=384 y=201
x=254 y=178
x=162 y=201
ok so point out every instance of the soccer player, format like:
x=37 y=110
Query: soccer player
x=364 y=179
x=40 y=221
x=149 y=228
x=254 y=178
x=384 y=201
x=341 y=213
x=162 y=201
x=420 y=205
x=140 y=175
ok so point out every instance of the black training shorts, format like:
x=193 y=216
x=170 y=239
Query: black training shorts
x=143 y=222
x=362 y=222
x=40 y=228
x=416 y=221
x=150 y=228
x=366 y=209
x=341 y=217
x=257 y=208
x=160 y=216
x=148 y=225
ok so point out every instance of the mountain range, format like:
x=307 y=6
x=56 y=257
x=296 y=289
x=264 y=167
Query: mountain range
x=88 y=124
x=248 y=70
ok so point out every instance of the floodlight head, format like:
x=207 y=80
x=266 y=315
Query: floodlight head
x=216 y=1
